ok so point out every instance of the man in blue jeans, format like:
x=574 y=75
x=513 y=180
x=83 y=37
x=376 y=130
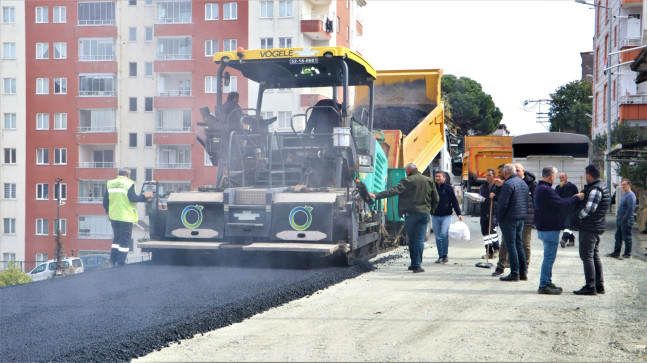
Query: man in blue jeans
x=550 y=213
x=624 y=221
x=511 y=213
x=417 y=200
x=442 y=217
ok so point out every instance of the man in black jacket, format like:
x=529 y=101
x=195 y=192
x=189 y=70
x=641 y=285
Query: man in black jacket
x=489 y=191
x=590 y=220
x=531 y=181
x=566 y=189
x=511 y=213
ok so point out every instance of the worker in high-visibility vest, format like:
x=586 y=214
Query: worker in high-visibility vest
x=119 y=202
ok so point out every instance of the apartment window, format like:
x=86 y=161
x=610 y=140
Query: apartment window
x=9 y=156
x=63 y=188
x=148 y=141
x=42 y=156
x=42 y=191
x=42 y=50
x=91 y=190
x=42 y=121
x=148 y=69
x=60 y=121
x=97 y=85
x=174 y=156
x=233 y=85
x=285 y=8
x=62 y=226
x=41 y=257
x=96 y=49
x=42 y=86
x=96 y=13
x=133 y=173
x=207 y=159
x=285 y=119
x=132 y=69
x=60 y=86
x=267 y=9
x=285 y=42
x=148 y=173
x=173 y=12
x=60 y=14
x=210 y=84
x=229 y=45
x=230 y=11
x=9 y=190
x=148 y=34
x=9 y=226
x=210 y=47
x=132 y=2
x=132 y=34
x=267 y=43
x=9 y=121
x=148 y=2
x=94 y=226
x=41 y=14
x=8 y=14
x=210 y=11
x=132 y=140
x=9 y=86
x=173 y=120
x=60 y=156
x=60 y=50
x=9 y=50
x=42 y=226
x=132 y=104
x=148 y=104
x=174 y=48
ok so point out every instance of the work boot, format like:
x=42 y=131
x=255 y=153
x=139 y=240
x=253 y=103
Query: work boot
x=439 y=260
x=418 y=269
x=626 y=256
x=511 y=277
x=599 y=289
x=547 y=290
x=585 y=290
x=410 y=268
x=445 y=260
x=523 y=277
x=556 y=287
x=613 y=255
x=497 y=272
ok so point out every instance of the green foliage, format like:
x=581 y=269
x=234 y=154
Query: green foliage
x=569 y=107
x=472 y=111
x=624 y=134
x=13 y=276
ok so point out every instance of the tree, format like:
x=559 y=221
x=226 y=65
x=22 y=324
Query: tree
x=569 y=107
x=13 y=276
x=473 y=111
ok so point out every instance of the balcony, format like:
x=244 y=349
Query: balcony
x=314 y=26
x=630 y=42
x=173 y=166
x=96 y=164
x=90 y=200
x=631 y=3
x=174 y=85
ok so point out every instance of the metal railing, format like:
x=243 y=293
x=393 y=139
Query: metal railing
x=94 y=235
x=173 y=166
x=96 y=58
x=90 y=200
x=97 y=164
x=634 y=99
x=98 y=93
x=90 y=129
x=174 y=93
x=630 y=42
x=179 y=56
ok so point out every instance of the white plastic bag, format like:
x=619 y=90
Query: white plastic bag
x=459 y=231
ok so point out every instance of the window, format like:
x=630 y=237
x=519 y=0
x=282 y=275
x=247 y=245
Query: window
x=133 y=173
x=132 y=140
x=9 y=190
x=207 y=159
x=148 y=69
x=148 y=141
x=148 y=33
x=8 y=14
x=60 y=86
x=97 y=85
x=60 y=121
x=132 y=69
x=285 y=42
x=229 y=45
x=91 y=190
x=210 y=47
x=42 y=226
x=173 y=120
x=9 y=156
x=132 y=104
x=285 y=8
x=132 y=34
x=148 y=173
x=42 y=191
x=174 y=157
x=62 y=226
x=60 y=14
x=8 y=257
x=60 y=50
x=96 y=13
x=42 y=156
x=42 y=86
x=42 y=50
x=230 y=11
x=132 y=2
x=173 y=12
x=42 y=121
x=148 y=104
x=210 y=84
x=97 y=120
x=103 y=159
x=9 y=121
x=96 y=49
x=267 y=9
x=174 y=48
x=63 y=188
x=94 y=226
x=9 y=86
x=233 y=85
x=9 y=50
x=210 y=11
x=267 y=43
x=285 y=119
x=148 y=2
x=41 y=257
x=9 y=226
x=60 y=156
x=41 y=14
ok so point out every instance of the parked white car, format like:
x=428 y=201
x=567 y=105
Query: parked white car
x=44 y=271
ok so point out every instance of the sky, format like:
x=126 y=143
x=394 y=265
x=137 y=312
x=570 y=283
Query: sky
x=516 y=49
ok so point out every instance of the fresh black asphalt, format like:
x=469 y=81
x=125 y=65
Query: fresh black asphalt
x=126 y=312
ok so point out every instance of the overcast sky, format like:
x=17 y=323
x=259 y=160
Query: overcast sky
x=516 y=49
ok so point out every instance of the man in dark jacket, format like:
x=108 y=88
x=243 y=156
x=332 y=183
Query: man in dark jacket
x=566 y=189
x=590 y=220
x=511 y=213
x=489 y=191
x=531 y=182
x=442 y=217
x=418 y=199
x=233 y=113
x=549 y=220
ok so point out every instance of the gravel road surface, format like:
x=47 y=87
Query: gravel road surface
x=452 y=312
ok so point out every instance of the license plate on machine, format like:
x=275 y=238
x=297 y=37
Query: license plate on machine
x=304 y=61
